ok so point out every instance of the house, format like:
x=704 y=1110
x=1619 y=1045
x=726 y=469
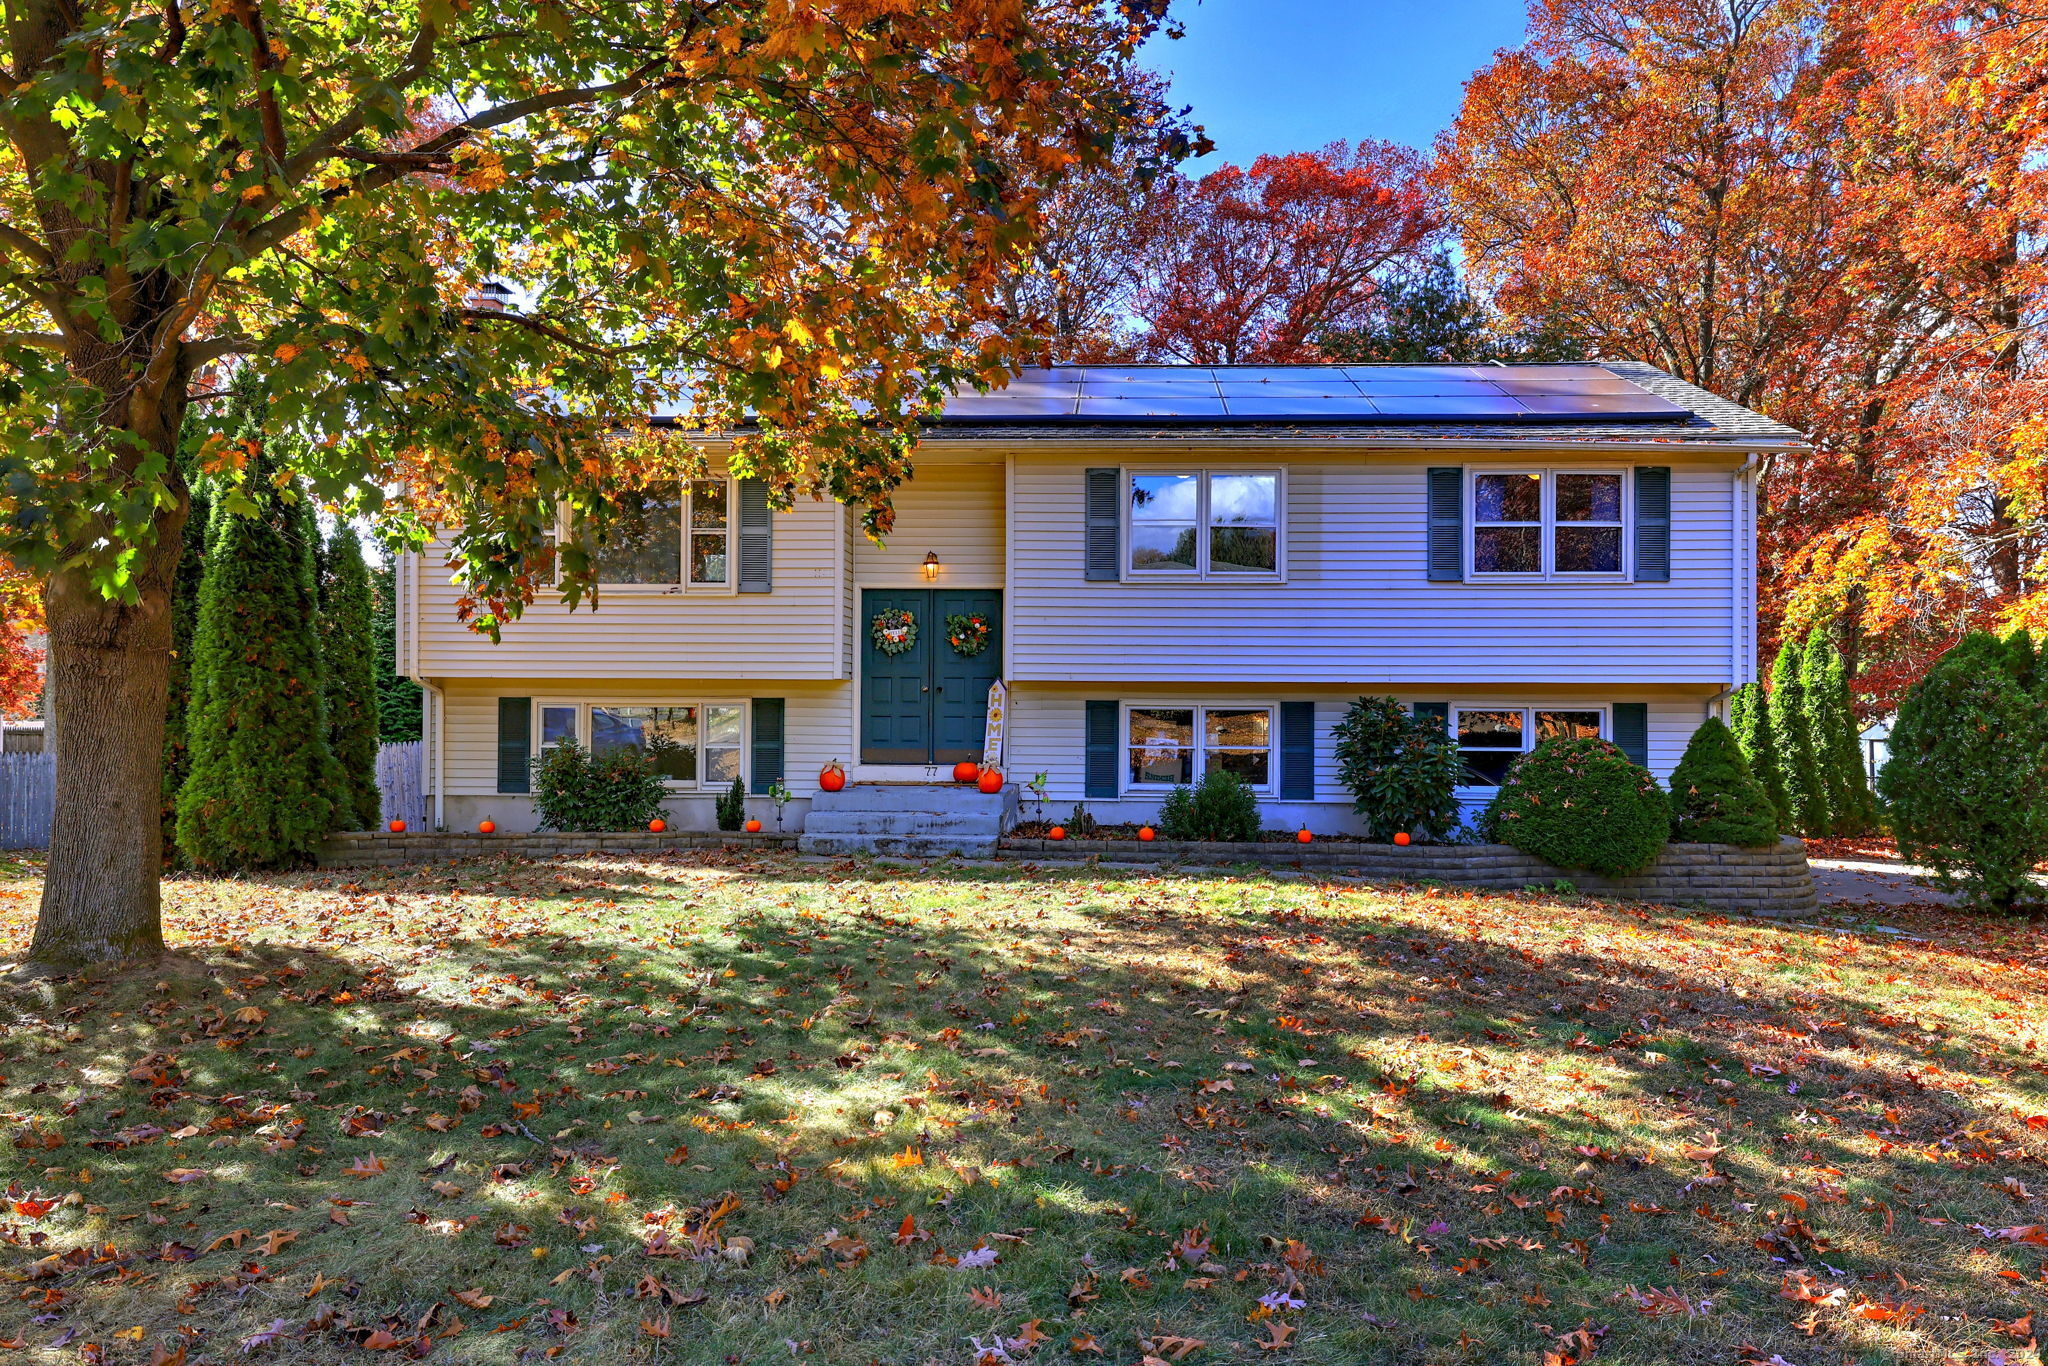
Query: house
x=1179 y=567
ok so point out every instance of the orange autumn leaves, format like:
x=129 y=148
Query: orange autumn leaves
x=1829 y=213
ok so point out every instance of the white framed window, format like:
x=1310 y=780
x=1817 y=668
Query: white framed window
x=1491 y=737
x=700 y=745
x=1203 y=524
x=669 y=536
x=1548 y=524
x=1171 y=743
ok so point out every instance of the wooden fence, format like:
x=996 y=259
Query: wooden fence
x=28 y=793
x=399 y=770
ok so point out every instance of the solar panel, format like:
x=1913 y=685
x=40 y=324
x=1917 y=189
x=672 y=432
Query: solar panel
x=1194 y=405
x=1331 y=386
x=1402 y=394
x=1476 y=408
x=1146 y=388
x=1642 y=404
x=1283 y=407
x=1008 y=406
x=1451 y=387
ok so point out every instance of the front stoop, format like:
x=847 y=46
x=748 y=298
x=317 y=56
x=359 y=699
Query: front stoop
x=910 y=820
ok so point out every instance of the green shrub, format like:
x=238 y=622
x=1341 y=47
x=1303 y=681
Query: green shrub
x=1401 y=770
x=1580 y=804
x=732 y=807
x=260 y=793
x=1792 y=728
x=621 y=789
x=1967 y=783
x=1220 y=807
x=1749 y=716
x=1081 y=825
x=1837 y=750
x=1715 y=799
x=348 y=654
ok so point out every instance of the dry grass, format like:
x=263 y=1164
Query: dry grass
x=693 y=1111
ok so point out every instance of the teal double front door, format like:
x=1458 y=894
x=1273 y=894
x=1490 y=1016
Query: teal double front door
x=929 y=703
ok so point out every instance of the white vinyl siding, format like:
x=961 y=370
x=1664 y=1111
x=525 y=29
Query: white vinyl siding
x=1357 y=609
x=648 y=633
x=952 y=511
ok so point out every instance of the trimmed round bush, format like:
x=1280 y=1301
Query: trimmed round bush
x=1580 y=804
x=1715 y=798
x=1967 y=783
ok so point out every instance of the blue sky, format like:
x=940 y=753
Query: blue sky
x=1291 y=75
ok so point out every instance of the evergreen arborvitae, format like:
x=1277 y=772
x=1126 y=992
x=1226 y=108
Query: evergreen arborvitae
x=1749 y=715
x=1829 y=724
x=398 y=697
x=262 y=785
x=1715 y=799
x=1794 y=733
x=347 y=651
x=1853 y=806
x=185 y=596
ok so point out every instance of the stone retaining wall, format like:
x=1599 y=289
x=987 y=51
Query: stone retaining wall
x=1769 y=882
x=376 y=849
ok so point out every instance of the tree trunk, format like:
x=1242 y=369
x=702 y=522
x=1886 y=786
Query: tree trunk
x=109 y=664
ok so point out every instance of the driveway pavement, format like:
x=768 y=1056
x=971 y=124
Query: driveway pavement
x=1873 y=882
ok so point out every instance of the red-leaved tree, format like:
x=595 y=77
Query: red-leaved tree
x=1253 y=265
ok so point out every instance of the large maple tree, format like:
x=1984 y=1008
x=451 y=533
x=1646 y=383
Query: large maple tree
x=1826 y=212
x=1253 y=264
x=796 y=213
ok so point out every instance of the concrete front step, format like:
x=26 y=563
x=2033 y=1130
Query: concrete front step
x=949 y=798
x=909 y=820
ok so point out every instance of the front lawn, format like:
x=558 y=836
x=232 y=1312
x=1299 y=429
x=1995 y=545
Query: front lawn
x=698 y=1109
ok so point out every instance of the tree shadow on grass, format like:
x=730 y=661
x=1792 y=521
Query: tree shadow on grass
x=841 y=1047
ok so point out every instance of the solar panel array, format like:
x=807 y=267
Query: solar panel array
x=1155 y=394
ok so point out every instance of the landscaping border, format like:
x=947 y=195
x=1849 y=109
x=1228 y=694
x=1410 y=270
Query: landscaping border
x=376 y=849
x=1772 y=882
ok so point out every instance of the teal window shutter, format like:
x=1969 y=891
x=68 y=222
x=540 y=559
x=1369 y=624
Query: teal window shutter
x=1653 y=524
x=1104 y=553
x=515 y=744
x=1446 y=524
x=757 y=538
x=1632 y=730
x=768 y=715
x=1297 y=751
x=1440 y=710
x=1099 y=773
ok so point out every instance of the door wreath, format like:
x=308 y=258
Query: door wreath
x=968 y=635
x=894 y=630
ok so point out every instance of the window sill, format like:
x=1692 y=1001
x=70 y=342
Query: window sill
x=1547 y=578
x=1263 y=580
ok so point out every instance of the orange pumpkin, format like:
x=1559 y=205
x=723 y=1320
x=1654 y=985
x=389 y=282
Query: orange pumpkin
x=487 y=827
x=1401 y=837
x=991 y=780
x=966 y=771
x=1058 y=832
x=396 y=827
x=832 y=777
x=753 y=827
x=1145 y=833
x=1303 y=835
x=657 y=825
